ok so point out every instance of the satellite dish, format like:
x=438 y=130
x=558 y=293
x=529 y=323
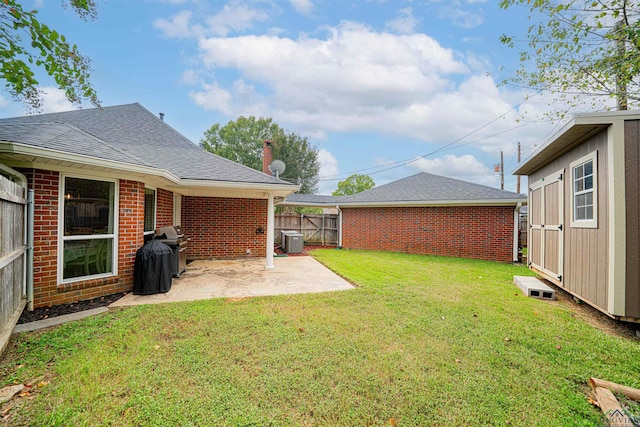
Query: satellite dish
x=277 y=167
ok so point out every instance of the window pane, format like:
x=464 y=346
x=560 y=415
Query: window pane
x=588 y=200
x=579 y=185
x=588 y=182
x=149 y=209
x=580 y=200
x=578 y=172
x=88 y=207
x=588 y=168
x=580 y=213
x=588 y=212
x=87 y=257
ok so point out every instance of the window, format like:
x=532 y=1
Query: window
x=149 y=210
x=88 y=230
x=584 y=198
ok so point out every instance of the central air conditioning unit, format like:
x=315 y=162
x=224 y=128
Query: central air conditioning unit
x=294 y=243
x=283 y=238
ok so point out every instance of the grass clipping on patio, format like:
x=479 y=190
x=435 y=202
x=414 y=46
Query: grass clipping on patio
x=421 y=341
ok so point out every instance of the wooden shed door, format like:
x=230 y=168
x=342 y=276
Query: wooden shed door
x=546 y=214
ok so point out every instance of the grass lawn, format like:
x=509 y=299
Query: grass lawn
x=422 y=341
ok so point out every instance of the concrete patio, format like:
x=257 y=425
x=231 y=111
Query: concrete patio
x=246 y=277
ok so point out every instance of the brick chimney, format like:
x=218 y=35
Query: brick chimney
x=267 y=157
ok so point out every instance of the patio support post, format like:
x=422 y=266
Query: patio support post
x=270 y=231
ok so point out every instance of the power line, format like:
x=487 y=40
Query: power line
x=402 y=163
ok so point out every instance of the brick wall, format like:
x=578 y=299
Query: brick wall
x=164 y=207
x=482 y=232
x=47 y=290
x=224 y=227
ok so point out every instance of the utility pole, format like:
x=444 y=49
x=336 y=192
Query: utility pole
x=501 y=170
x=518 y=176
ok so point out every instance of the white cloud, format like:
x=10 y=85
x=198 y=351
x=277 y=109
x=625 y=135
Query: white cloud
x=179 y=25
x=465 y=167
x=235 y=16
x=328 y=167
x=461 y=15
x=345 y=81
x=405 y=22
x=213 y=97
x=54 y=100
x=356 y=79
x=190 y=78
x=302 y=6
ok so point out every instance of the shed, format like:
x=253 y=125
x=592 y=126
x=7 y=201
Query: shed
x=584 y=211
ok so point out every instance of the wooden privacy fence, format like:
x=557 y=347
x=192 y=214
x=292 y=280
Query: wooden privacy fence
x=316 y=229
x=523 y=228
x=12 y=254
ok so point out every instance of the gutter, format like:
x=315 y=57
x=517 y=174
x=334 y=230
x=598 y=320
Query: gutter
x=516 y=223
x=339 y=226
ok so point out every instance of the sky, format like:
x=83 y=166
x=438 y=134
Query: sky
x=384 y=88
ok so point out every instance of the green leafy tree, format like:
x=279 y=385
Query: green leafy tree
x=301 y=160
x=25 y=42
x=581 y=51
x=242 y=141
x=354 y=184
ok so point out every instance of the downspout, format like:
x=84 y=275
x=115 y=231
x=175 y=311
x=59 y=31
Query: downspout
x=29 y=260
x=339 y=227
x=270 y=231
x=516 y=227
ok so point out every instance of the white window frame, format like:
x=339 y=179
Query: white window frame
x=62 y=238
x=584 y=223
x=155 y=210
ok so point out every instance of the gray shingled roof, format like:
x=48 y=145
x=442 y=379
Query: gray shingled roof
x=426 y=187
x=419 y=188
x=127 y=133
x=313 y=199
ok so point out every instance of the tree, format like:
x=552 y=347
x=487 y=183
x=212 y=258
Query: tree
x=583 y=49
x=354 y=184
x=242 y=141
x=301 y=160
x=42 y=47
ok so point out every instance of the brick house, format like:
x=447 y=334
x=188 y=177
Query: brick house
x=428 y=214
x=103 y=179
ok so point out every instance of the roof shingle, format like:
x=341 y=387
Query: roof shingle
x=127 y=133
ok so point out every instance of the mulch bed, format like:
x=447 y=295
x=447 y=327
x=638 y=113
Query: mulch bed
x=74 y=307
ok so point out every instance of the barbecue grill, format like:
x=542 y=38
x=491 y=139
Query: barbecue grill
x=174 y=238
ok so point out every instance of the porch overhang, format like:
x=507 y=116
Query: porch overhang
x=25 y=156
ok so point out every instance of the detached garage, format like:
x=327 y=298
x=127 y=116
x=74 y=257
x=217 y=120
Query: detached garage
x=430 y=214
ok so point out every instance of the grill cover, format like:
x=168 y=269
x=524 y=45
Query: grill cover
x=152 y=270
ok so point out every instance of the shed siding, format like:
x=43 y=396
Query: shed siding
x=632 y=213
x=481 y=232
x=224 y=227
x=585 y=249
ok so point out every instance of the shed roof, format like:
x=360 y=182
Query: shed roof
x=127 y=134
x=422 y=189
x=576 y=131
